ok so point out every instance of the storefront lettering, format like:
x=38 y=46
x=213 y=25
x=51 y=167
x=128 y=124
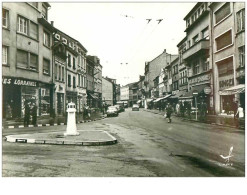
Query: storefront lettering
x=6 y=81
x=200 y=79
x=23 y=82
x=226 y=83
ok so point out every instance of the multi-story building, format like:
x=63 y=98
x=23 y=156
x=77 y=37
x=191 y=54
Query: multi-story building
x=107 y=91
x=133 y=93
x=175 y=76
x=91 y=99
x=152 y=68
x=196 y=56
x=227 y=21
x=117 y=92
x=124 y=93
x=96 y=94
x=26 y=58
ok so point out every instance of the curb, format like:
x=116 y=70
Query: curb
x=47 y=125
x=191 y=120
x=9 y=138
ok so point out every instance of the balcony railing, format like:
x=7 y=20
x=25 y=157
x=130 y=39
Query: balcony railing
x=196 y=48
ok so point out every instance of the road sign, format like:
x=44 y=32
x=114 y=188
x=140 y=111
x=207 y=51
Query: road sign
x=195 y=93
x=207 y=90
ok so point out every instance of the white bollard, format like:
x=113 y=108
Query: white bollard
x=71 y=121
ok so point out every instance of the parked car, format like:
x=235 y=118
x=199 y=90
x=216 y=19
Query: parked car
x=120 y=106
x=135 y=107
x=112 y=111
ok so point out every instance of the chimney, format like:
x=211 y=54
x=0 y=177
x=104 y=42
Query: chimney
x=52 y=23
x=164 y=51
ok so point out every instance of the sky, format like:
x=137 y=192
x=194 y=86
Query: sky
x=120 y=34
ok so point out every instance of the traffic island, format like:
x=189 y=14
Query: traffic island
x=85 y=138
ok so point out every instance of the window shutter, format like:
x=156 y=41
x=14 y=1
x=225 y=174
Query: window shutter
x=33 y=30
x=33 y=61
x=22 y=58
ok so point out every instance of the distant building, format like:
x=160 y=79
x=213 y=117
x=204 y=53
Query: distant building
x=124 y=93
x=107 y=91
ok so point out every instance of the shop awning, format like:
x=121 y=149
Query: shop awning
x=150 y=100
x=179 y=94
x=93 y=96
x=189 y=94
x=139 y=101
x=44 y=102
x=166 y=97
x=157 y=100
x=233 y=90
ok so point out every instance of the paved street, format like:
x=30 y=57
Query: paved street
x=147 y=146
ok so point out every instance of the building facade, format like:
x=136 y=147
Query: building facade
x=107 y=91
x=228 y=54
x=26 y=58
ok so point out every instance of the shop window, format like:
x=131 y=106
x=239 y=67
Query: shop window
x=59 y=73
x=205 y=64
x=46 y=66
x=4 y=55
x=45 y=101
x=22 y=25
x=74 y=63
x=22 y=59
x=225 y=67
x=5 y=18
x=224 y=40
x=241 y=51
x=196 y=67
x=46 y=39
x=33 y=30
x=33 y=62
x=241 y=20
x=222 y=13
x=189 y=44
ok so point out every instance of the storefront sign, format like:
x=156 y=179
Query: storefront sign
x=226 y=81
x=23 y=82
x=195 y=93
x=199 y=79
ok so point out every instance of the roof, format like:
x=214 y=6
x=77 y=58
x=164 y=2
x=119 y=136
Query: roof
x=182 y=41
x=192 y=10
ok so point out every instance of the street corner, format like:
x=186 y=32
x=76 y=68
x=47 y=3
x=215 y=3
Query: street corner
x=85 y=138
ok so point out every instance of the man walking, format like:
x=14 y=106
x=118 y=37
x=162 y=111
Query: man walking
x=27 y=114
x=168 y=113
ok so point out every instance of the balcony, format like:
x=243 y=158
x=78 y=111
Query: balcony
x=196 y=49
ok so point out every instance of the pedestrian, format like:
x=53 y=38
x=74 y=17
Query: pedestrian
x=34 y=114
x=168 y=112
x=182 y=109
x=239 y=115
x=177 y=109
x=27 y=113
x=189 y=110
x=227 y=108
x=235 y=108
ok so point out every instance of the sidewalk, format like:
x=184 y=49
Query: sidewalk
x=49 y=121
x=210 y=119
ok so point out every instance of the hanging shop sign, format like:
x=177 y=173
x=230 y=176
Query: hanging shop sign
x=207 y=90
x=195 y=93
x=21 y=82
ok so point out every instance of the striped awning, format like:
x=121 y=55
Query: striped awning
x=233 y=90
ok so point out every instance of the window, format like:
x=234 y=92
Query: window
x=196 y=67
x=225 y=67
x=62 y=73
x=222 y=13
x=195 y=39
x=69 y=80
x=205 y=33
x=79 y=80
x=44 y=11
x=188 y=22
x=206 y=64
x=55 y=71
x=22 y=59
x=22 y=25
x=33 y=61
x=240 y=20
x=189 y=44
x=46 y=66
x=69 y=60
x=5 y=19
x=74 y=82
x=224 y=40
x=59 y=73
x=241 y=51
x=46 y=39
x=33 y=30
x=74 y=63
x=4 y=55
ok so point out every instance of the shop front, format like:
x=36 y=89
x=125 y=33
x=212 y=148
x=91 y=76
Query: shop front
x=18 y=91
